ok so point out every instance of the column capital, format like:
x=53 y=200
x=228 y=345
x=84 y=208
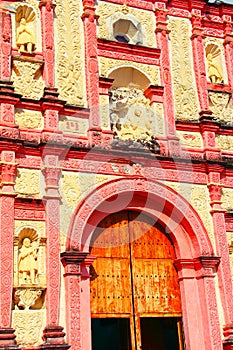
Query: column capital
x=72 y=262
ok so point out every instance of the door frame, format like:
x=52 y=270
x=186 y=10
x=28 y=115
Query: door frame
x=196 y=263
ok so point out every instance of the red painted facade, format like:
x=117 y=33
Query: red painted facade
x=111 y=174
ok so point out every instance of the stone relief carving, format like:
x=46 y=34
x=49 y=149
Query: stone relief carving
x=224 y=142
x=185 y=97
x=130 y=114
x=190 y=139
x=107 y=65
x=221 y=106
x=28 y=119
x=25 y=298
x=25 y=36
x=28 y=183
x=109 y=13
x=227 y=195
x=70 y=51
x=28 y=326
x=27 y=78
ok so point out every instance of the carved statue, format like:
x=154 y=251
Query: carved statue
x=25 y=39
x=28 y=264
x=214 y=70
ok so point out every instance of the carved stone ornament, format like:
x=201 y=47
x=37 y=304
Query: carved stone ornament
x=27 y=78
x=25 y=298
x=221 y=106
x=130 y=114
x=185 y=98
x=70 y=52
x=28 y=119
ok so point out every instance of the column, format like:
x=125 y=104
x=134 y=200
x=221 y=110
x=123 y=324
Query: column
x=199 y=305
x=47 y=14
x=92 y=72
x=7 y=196
x=165 y=73
x=104 y=87
x=206 y=267
x=72 y=264
x=228 y=47
x=85 y=306
x=224 y=271
x=53 y=333
x=199 y=57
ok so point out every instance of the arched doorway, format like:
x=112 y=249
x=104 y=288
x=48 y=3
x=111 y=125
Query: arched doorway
x=135 y=295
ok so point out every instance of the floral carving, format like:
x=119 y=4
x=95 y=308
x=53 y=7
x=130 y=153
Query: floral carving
x=185 y=98
x=70 y=52
x=28 y=183
x=28 y=326
x=221 y=106
x=25 y=298
x=25 y=81
x=28 y=119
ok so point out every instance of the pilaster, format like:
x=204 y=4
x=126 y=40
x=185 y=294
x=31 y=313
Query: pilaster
x=53 y=333
x=72 y=263
x=7 y=197
x=47 y=14
x=165 y=72
x=198 y=58
x=91 y=64
x=228 y=47
x=224 y=271
x=196 y=278
x=85 y=309
x=208 y=128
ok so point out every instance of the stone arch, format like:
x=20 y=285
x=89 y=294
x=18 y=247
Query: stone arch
x=162 y=203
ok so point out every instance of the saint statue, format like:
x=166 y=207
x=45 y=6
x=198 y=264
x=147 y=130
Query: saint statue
x=25 y=39
x=214 y=70
x=28 y=264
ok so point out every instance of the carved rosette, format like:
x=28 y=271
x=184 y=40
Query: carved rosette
x=26 y=297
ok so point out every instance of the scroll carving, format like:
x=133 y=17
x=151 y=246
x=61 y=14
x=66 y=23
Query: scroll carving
x=27 y=79
x=69 y=53
x=28 y=119
x=221 y=106
x=185 y=98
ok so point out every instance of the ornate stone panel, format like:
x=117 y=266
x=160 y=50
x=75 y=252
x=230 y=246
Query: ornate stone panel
x=108 y=65
x=107 y=12
x=198 y=197
x=29 y=325
x=27 y=78
x=221 y=106
x=28 y=183
x=224 y=142
x=185 y=95
x=74 y=188
x=28 y=119
x=69 y=51
x=73 y=125
x=190 y=139
x=227 y=198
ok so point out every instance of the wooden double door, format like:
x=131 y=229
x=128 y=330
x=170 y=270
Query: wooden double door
x=135 y=297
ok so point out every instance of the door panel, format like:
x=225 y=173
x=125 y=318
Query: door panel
x=134 y=277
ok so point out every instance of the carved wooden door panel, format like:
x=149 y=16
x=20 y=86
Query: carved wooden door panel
x=133 y=276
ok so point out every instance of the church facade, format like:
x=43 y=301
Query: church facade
x=116 y=198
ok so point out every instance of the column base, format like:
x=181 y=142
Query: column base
x=228 y=334
x=7 y=339
x=54 y=338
